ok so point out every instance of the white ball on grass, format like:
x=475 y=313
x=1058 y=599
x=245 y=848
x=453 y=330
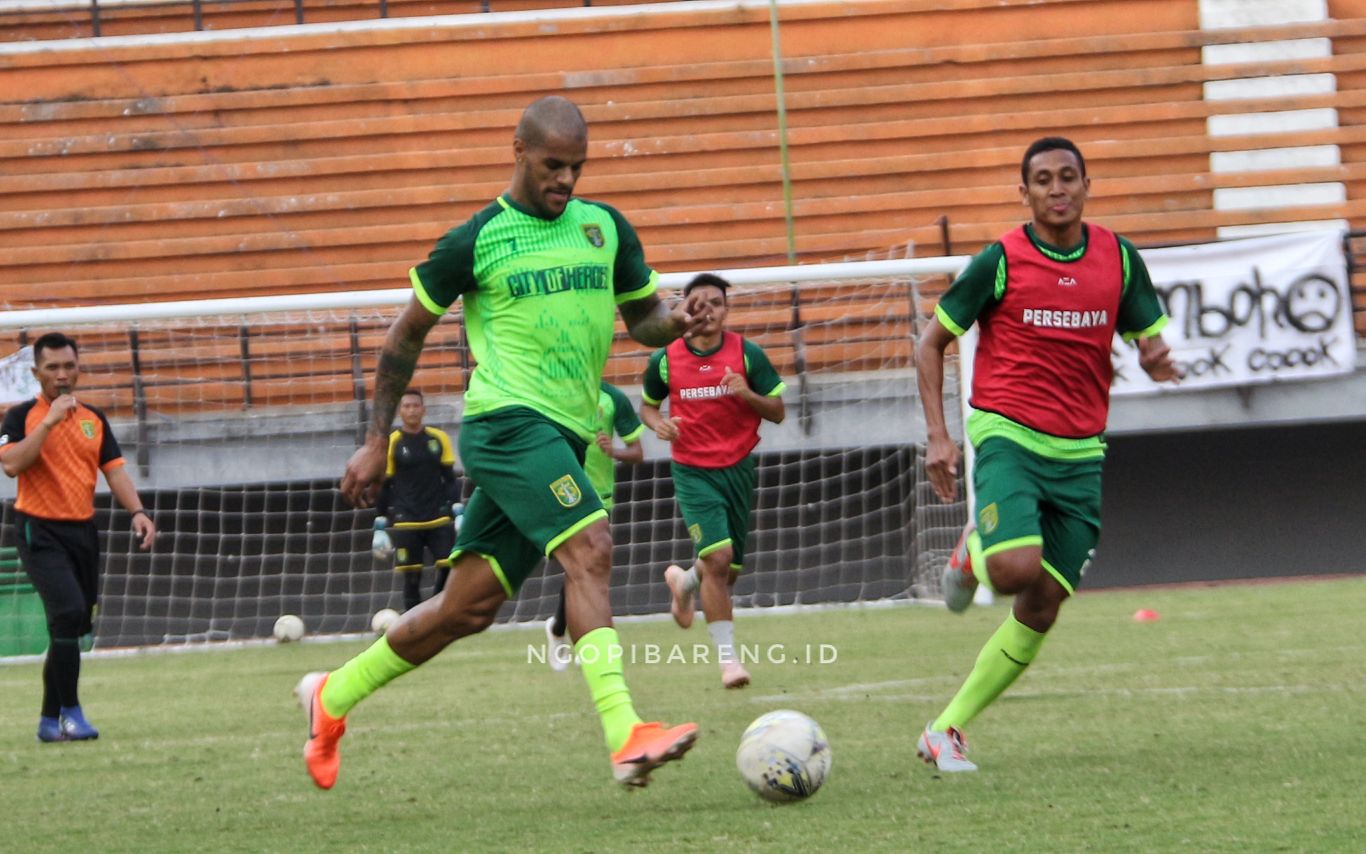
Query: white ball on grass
x=784 y=756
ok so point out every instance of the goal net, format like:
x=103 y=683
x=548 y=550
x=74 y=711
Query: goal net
x=236 y=418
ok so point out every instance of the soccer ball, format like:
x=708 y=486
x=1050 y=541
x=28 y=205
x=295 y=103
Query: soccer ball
x=784 y=756
x=383 y=619
x=288 y=628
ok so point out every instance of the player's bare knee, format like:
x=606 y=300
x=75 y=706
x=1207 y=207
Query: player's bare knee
x=587 y=556
x=717 y=563
x=597 y=569
x=1014 y=571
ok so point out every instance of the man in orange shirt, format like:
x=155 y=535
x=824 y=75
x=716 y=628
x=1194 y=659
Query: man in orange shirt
x=54 y=444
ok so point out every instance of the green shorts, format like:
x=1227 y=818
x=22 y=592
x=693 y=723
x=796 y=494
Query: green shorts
x=715 y=504
x=530 y=494
x=1025 y=499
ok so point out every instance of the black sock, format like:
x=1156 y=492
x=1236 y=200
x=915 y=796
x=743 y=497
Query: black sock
x=412 y=589
x=61 y=674
x=52 y=705
x=442 y=573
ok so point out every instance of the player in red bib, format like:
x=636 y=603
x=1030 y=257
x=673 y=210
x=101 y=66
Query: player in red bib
x=719 y=387
x=1048 y=298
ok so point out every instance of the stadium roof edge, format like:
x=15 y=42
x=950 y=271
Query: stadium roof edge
x=473 y=21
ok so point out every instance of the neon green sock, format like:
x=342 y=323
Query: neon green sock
x=600 y=656
x=1001 y=661
x=362 y=676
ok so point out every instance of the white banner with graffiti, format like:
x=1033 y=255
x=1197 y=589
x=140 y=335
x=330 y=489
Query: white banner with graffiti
x=17 y=382
x=1259 y=310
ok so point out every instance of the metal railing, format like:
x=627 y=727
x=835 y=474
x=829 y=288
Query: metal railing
x=101 y=11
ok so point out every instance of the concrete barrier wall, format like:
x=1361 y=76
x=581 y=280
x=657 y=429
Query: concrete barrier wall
x=829 y=526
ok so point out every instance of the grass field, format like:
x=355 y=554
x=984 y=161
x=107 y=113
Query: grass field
x=1235 y=723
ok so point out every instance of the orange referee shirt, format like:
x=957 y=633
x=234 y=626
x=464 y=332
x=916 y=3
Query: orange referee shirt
x=61 y=482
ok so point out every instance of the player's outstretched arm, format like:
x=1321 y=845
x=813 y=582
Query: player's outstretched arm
x=941 y=454
x=654 y=323
x=397 y=359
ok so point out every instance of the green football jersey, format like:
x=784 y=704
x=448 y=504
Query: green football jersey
x=540 y=303
x=615 y=415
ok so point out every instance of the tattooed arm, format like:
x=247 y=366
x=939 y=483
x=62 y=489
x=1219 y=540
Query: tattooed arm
x=397 y=359
x=654 y=323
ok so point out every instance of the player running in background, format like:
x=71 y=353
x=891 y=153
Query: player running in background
x=1048 y=298
x=54 y=444
x=417 y=503
x=542 y=274
x=615 y=416
x=719 y=387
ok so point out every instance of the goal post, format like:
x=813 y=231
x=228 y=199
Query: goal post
x=237 y=417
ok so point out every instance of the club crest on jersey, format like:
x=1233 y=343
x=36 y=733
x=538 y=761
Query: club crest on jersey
x=594 y=235
x=433 y=446
x=88 y=428
x=695 y=531
x=988 y=518
x=566 y=491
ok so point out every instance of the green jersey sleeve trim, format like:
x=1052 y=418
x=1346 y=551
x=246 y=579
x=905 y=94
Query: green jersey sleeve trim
x=778 y=389
x=631 y=276
x=634 y=436
x=759 y=370
x=1140 y=308
x=981 y=283
x=625 y=422
x=948 y=322
x=420 y=291
x=651 y=285
x=1157 y=326
x=1128 y=271
x=654 y=385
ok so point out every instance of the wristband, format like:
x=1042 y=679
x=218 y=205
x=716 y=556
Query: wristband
x=143 y=512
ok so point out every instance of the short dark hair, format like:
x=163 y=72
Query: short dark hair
x=53 y=341
x=413 y=390
x=707 y=279
x=1050 y=143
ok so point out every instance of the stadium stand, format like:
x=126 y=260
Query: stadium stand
x=329 y=157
